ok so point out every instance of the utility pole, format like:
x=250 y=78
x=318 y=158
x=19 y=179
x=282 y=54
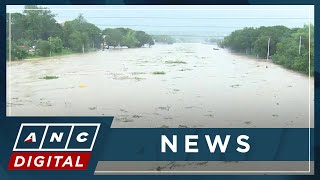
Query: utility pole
x=268 y=54
x=300 y=45
x=10 y=37
x=83 y=48
x=50 y=44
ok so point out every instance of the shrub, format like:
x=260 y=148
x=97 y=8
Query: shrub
x=43 y=48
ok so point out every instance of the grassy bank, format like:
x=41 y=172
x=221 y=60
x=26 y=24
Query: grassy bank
x=62 y=53
x=65 y=52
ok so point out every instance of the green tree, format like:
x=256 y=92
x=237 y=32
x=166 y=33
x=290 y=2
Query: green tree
x=276 y=35
x=113 y=37
x=56 y=44
x=79 y=35
x=40 y=23
x=255 y=40
x=287 y=52
x=18 y=26
x=284 y=45
x=77 y=41
x=43 y=47
x=130 y=40
x=18 y=52
x=143 y=38
x=126 y=37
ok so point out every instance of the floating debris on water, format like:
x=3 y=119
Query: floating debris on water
x=127 y=120
x=175 y=62
x=139 y=78
x=190 y=107
x=49 y=77
x=121 y=77
x=235 y=85
x=167 y=108
x=92 y=108
x=138 y=73
x=123 y=118
x=169 y=99
x=158 y=73
x=209 y=115
x=186 y=69
x=46 y=103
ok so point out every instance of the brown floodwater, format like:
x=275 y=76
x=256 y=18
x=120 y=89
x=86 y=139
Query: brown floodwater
x=179 y=85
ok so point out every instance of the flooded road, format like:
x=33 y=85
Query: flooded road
x=180 y=85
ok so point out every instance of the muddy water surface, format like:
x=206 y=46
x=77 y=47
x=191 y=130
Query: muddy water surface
x=180 y=85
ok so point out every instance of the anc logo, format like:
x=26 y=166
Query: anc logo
x=53 y=146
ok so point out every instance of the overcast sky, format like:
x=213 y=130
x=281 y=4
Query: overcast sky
x=210 y=20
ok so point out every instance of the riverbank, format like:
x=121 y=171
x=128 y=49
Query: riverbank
x=67 y=53
x=54 y=56
x=253 y=57
x=63 y=53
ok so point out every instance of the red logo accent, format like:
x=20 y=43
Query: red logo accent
x=49 y=160
x=28 y=140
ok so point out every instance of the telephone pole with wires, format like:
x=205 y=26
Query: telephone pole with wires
x=50 y=45
x=268 y=54
x=300 y=42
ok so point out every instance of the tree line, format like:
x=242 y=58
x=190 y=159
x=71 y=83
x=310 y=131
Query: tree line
x=126 y=37
x=287 y=47
x=37 y=33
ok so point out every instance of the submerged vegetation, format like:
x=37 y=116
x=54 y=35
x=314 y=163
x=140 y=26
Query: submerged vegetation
x=175 y=62
x=49 y=77
x=158 y=73
x=288 y=47
x=126 y=37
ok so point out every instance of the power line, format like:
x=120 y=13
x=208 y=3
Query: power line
x=190 y=35
x=175 y=26
x=148 y=17
x=166 y=26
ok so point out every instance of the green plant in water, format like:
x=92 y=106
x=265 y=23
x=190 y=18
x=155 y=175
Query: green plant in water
x=175 y=62
x=158 y=72
x=49 y=77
